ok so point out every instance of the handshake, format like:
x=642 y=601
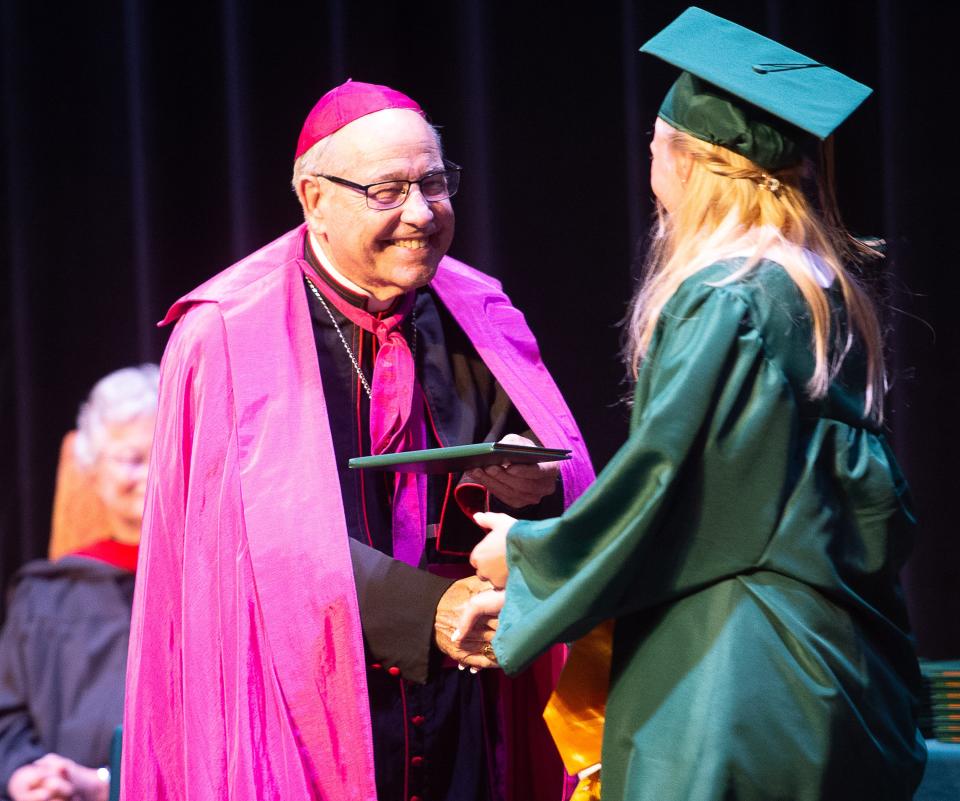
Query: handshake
x=466 y=618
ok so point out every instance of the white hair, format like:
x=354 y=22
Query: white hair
x=119 y=397
x=311 y=163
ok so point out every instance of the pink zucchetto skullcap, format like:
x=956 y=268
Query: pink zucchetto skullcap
x=346 y=103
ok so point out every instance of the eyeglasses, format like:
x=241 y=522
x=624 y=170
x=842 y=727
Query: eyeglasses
x=384 y=195
x=131 y=462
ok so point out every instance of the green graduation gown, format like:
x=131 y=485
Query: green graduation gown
x=747 y=542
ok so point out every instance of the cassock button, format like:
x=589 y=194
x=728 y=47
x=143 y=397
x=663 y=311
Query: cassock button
x=375 y=666
x=415 y=798
x=416 y=761
x=393 y=671
x=417 y=720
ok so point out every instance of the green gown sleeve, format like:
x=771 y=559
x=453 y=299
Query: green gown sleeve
x=630 y=542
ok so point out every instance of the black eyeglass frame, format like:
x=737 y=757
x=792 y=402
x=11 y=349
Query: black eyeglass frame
x=448 y=167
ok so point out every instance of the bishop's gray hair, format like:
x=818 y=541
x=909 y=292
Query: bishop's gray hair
x=119 y=397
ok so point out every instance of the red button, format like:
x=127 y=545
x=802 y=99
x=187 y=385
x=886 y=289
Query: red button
x=416 y=761
x=415 y=798
x=417 y=720
x=375 y=666
x=393 y=671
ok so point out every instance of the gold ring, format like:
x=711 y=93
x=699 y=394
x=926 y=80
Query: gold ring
x=488 y=652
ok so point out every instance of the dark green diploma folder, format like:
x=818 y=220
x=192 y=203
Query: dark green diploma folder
x=458 y=458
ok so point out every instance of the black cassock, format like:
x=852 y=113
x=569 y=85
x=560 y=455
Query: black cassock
x=435 y=728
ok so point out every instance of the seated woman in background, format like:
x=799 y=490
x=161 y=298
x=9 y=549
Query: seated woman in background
x=63 y=648
x=745 y=541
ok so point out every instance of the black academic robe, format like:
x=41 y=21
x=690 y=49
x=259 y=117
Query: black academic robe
x=63 y=655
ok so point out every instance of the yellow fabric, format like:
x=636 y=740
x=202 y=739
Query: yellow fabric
x=575 y=712
x=588 y=789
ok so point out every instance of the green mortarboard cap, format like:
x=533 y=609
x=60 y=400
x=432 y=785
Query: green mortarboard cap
x=749 y=93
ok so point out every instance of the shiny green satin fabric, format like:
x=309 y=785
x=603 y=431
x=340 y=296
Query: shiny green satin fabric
x=747 y=542
x=708 y=113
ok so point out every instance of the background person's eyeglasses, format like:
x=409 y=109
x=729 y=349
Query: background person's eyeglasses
x=384 y=195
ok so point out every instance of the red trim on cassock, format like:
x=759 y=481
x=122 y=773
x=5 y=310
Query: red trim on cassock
x=472 y=497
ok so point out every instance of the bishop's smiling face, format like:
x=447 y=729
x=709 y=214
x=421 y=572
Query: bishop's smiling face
x=386 y=252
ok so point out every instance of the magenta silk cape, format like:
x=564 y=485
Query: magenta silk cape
x=246 y=676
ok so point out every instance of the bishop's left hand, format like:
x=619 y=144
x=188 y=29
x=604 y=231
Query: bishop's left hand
x=489 y=557
x=517 y=485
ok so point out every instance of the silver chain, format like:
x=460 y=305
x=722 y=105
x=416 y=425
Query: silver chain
x=346 y=347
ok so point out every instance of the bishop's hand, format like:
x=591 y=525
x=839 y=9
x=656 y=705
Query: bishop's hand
x=472 y=650
x=517 y=485
x=480 y=608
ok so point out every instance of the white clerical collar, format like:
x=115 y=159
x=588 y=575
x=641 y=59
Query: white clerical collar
x=334 y=273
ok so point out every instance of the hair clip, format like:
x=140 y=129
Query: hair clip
x=769 y=182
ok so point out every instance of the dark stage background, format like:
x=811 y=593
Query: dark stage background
x=147 y=145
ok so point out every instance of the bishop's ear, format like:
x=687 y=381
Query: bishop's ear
x=309 y=192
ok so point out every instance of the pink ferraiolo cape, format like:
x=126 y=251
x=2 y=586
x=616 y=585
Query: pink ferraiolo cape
x=246 y=677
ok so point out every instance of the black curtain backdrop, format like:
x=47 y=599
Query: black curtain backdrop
x=147 y=145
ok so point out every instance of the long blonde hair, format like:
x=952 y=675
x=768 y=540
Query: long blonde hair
x=732 y=207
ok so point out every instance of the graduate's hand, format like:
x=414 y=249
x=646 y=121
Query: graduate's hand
x=480 y=608
x=472 y=651
x=517 y=485
x=489 y=558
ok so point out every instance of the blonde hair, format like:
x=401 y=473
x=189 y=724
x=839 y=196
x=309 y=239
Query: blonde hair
x=731 y=207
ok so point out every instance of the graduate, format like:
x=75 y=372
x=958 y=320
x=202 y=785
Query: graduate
x=732 y=574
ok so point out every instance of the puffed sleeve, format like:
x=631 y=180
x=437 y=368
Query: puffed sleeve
x=631 y=542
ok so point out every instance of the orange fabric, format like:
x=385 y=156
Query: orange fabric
x=576 y=711
x=79 y=517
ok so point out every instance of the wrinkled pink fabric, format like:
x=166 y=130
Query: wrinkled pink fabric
x=246 y=675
